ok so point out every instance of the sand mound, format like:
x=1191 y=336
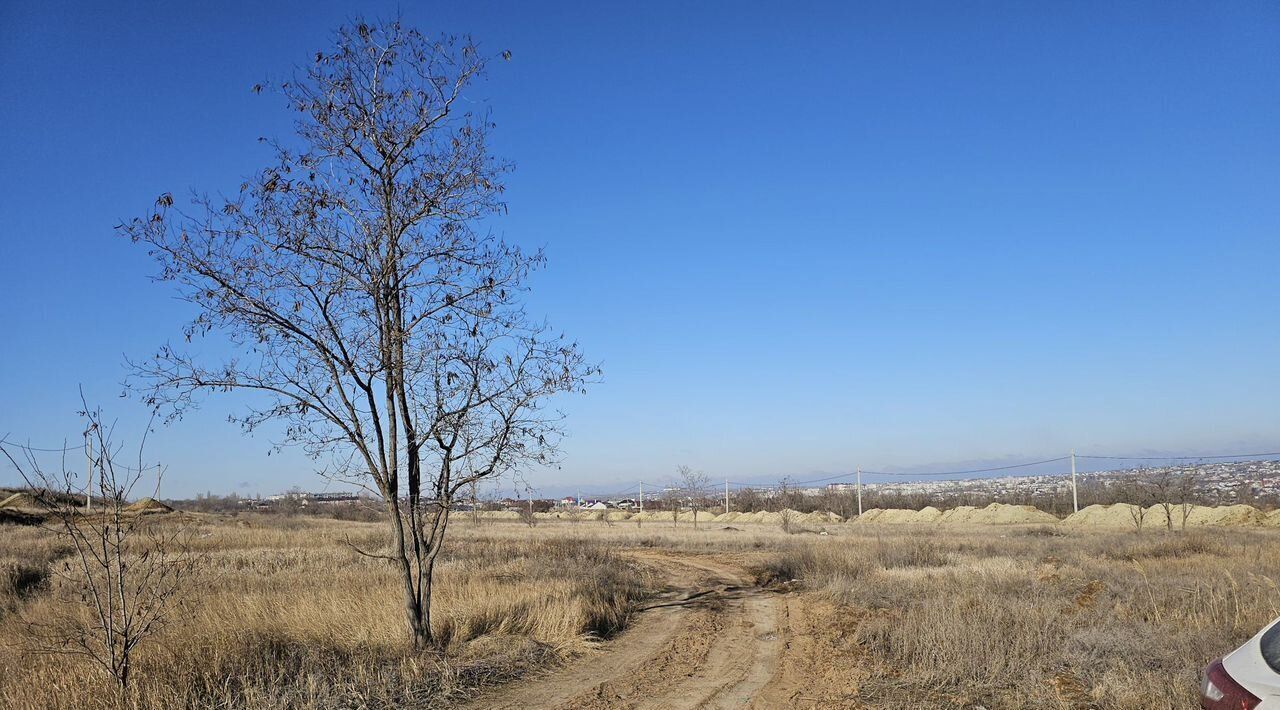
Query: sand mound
x=500 y=515
x=895 y=516
x=148 y=505
x=994 y=514
x=1004 y=514
x=869 y=516
x=1121 y=515
x=958 y=514
x=927 y=514
x=727 y=517
x=20 y=500
x=1118 y=515
x=1233 y=515
x=819 y=518
x=1271 y=520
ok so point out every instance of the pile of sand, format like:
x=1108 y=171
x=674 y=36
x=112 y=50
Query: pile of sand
x=1004 y=514
x=1118 y=515
x=927 y=514
x=1234 y=515
x=959 y=514
x=20 y=500
x=994 y=514
x=148 y=505
x=1121 y=515
x=795 y=517
x=896 y=516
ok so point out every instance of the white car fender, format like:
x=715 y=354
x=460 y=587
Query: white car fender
x=1247 y=666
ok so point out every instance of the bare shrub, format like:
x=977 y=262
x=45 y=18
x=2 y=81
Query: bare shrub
x=125 y=574
x=909 y=552
x=19 y=580
x=693 y=485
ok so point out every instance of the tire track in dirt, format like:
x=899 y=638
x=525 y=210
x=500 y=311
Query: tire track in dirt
x=710 y=641
x=819 y=665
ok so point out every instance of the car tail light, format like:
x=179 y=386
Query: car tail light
x=1219 y=691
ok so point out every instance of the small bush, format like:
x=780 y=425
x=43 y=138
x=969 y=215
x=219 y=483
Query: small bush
x=1169 y=546
x=910 y=552
x=19 y=580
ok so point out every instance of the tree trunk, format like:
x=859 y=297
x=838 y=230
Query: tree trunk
x=419 y=628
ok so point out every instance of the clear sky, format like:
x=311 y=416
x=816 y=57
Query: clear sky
x=800 y=237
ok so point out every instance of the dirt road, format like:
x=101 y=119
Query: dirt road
x=711 y=640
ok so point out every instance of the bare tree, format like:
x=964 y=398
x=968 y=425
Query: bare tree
x=126 y=573
x=693 y=486
x=787 y=494
x=1140 y=494
x=526 y=514
x=749 y=500
x=672 y=498
x=1162 y=486
x=1186 y=490
x=371 y=318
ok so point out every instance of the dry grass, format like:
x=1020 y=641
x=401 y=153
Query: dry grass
x=998 y=617
x=285 y=614
x=26 y=552
x=1022 y=618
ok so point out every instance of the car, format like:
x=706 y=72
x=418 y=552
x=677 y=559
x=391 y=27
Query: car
x=1246 y=678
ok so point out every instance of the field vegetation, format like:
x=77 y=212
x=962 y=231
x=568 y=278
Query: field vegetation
x=1039 y=616
x=285 y=613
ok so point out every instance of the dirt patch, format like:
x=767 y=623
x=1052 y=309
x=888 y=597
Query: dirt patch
x=710 y=640
x=148 y=505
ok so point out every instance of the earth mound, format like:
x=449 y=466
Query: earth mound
x=148 y=505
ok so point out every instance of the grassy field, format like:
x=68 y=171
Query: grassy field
x=1033 y=617
x=285 y=614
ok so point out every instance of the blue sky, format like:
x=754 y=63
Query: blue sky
x=800 y=237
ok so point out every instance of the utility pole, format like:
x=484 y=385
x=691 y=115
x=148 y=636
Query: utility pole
x=859 y=490
x=88 y=467
x=726 y=495
x=642 y=496
x=1075 y=496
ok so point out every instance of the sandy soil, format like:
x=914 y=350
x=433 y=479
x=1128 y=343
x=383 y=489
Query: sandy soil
x=711 y=640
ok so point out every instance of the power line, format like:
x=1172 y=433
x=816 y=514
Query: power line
x=1178 y=458
x=37 y=448
x=973 y=470
x=908 y=475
